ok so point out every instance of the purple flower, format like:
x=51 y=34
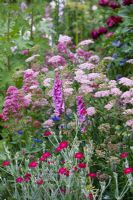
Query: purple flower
x=20 y=132
x=102 y=30
x=81 y=110
x=127 y=2
x=55 y=118
x=57 y=61
x=25 y=52
x=103 y=2
x=95 y=34
x=116 y=43
x=113 y=20
x=58 y=96
x=114 y=5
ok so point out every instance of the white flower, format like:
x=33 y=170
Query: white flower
x=32 y=58
x=85 y=42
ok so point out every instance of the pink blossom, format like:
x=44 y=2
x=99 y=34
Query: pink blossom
x=25 y=52
x=64 y=39
x=85 y=42
x=48 y=123
x=130 y=123
x=47 y=82
x=14 y=103
x=126 y=81
x=91 y=111
x=92 y=76
x=115 y=91
x=99 y=94
x=94 y=59
x=86 y=65
x=57 y=61
x=109 y=105
x=85 y=89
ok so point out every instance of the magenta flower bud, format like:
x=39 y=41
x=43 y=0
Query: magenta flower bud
x=25 y=52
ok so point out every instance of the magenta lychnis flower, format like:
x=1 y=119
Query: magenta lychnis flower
x=124 y=155
x=33 y=164
x=128 y=170
x=79 y=155
x=5 y=163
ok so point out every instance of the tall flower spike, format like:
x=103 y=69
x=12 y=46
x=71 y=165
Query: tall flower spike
x=81 y=110
x=58 y=96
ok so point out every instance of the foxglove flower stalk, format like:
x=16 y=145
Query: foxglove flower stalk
x=58 y=96
x=81 y=110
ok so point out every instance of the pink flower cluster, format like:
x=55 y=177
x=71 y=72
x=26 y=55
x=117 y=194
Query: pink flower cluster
x=57 y=61
x=30 y=80
x=97 y=32
x=14 y=102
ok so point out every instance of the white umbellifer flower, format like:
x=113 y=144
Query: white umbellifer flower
x=94 y=59
x=14 y=48
x=85 y=42
x=47 y=82
x=88 y=66
x=33 y=87
x=94 y=7
x=53 y=4
x=130 y=61
x=32 y=58
x=108 y=58
x=27 y=35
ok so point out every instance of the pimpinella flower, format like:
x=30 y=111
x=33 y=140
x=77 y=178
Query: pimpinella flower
x=58 y=96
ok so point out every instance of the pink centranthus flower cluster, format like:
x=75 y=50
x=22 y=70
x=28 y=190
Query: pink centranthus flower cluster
x=30 y=80
x=57 y=61
x=14 y=103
